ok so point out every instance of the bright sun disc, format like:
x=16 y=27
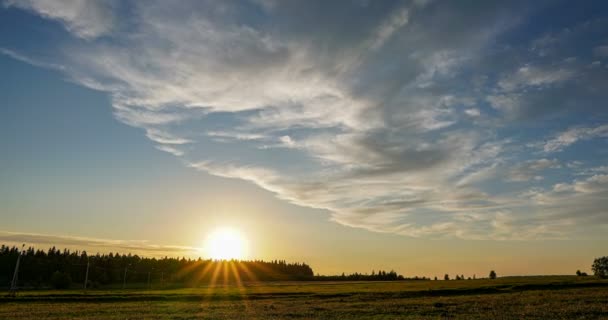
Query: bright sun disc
x=226 y=244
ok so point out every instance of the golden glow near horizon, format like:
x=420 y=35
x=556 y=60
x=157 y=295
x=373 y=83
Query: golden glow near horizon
x=225 y=244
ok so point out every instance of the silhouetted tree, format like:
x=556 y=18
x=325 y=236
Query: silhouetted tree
x=600 y=267
x=446 y=277
x=492 y=274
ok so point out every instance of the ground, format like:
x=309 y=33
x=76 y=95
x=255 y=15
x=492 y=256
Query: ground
x=503 y=298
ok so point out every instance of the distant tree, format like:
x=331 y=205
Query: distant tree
x=61 y=280
x=492 y=274
x=435 y=278
x=600 y=267
x=446 y=277
x=578 y=273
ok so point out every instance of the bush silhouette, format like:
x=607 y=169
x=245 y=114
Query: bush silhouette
x=492 y=274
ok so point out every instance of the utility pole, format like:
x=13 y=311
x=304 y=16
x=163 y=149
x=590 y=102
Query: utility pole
x=124 y=279
x=86 y=275
x=13 y=290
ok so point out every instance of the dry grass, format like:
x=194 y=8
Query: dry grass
x=510 y=298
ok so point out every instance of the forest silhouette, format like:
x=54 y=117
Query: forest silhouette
x=60 y=268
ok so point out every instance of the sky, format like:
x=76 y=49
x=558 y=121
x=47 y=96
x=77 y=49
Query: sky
x=423 y=136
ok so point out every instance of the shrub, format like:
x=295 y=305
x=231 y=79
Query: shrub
x=492 y=274
x=61 y=280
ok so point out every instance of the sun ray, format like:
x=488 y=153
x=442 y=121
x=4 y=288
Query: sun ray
x=239 y=283
x=201 y=275
x=250 y=275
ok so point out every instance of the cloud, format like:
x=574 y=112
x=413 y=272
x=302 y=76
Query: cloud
x=573 y=135
x=531 y=76
x=473 y=112
x=165 y=138
x=578 y=204
x=172 y=150
x=405 y=118
x=28 y=60
x=531 y=169
x=93 y=245
x=387 y=29
x=87 y=19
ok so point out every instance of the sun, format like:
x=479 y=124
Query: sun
x=226 y=244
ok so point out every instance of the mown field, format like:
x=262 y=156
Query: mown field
x=503 y=298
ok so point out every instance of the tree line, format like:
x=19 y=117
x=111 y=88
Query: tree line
x=381 y=275
x=60 y=268
x=63 y=268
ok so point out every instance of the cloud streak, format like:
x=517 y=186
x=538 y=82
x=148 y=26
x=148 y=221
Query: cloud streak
x=142 y=247
x=573 y=135
x=87 y=19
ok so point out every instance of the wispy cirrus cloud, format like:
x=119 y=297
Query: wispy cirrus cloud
x=531 y=169
x=573 y=135
x=87 y=19
x=395 y=117
x=94 y=245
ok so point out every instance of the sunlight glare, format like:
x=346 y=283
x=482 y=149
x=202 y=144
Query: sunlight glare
x=226 y=244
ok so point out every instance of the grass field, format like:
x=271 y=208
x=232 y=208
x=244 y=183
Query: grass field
x=503 y=298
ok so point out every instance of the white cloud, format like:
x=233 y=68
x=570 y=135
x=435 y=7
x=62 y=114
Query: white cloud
x=507 y=103
x=392 y=25
x=28 y=60
x=87 y=19
x=530 y=169
x=528 y=76
x=473 y=112
x=172 y=150
x=573 y=135
x=164 y=137
x=235 y=135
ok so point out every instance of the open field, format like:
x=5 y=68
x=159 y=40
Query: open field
x=503 y=298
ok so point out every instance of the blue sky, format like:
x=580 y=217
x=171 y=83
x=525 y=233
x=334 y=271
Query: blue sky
x=422 y=119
